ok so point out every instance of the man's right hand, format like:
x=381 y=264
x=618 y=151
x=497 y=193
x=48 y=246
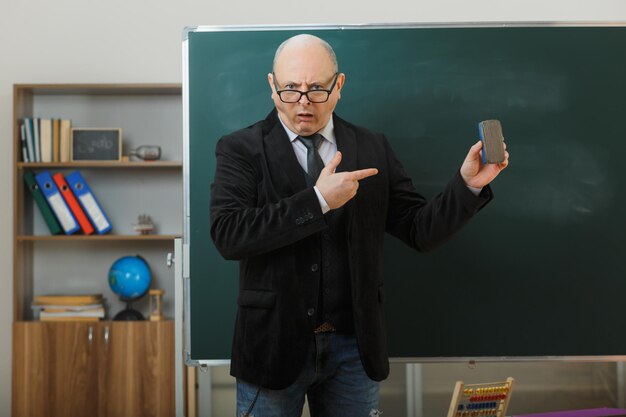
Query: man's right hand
x=338 y=188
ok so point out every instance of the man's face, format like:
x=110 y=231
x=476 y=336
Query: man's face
x=305 y=67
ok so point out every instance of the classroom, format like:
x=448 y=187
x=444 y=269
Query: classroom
x=123 y=65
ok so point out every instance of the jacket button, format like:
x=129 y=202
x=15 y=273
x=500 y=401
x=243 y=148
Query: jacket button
x=314 y=267
x=310 y=312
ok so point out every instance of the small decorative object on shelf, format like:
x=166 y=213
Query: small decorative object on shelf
x=96 y=144
x=130 y=278
x=147 y=152
x=144 y=225
x=156 y=308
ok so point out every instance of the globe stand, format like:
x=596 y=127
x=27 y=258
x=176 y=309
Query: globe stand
x=128 y=314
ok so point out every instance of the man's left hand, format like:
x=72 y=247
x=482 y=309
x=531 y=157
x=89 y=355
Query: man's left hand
x=475 y=173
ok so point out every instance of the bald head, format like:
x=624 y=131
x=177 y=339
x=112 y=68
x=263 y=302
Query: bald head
x=306 y=41
x=304 y=64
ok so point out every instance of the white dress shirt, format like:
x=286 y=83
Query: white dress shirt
x=327 y=149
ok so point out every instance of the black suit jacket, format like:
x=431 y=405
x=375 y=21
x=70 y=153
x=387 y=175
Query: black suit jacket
x=263 y=214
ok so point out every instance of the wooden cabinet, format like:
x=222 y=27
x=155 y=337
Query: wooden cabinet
x=136 y=369
x=54 y=369
x=105 y=369
x=98 y=368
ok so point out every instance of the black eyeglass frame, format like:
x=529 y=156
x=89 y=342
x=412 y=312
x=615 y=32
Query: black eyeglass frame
x=304 y=93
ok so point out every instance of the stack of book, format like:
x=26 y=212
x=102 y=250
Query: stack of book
x=45 y=140
x=84 y=307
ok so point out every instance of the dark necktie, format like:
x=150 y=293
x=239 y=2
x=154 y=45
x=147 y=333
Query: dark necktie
x=314 y=163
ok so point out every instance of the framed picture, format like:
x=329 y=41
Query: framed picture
x=96 y=144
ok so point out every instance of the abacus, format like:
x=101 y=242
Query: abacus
x=481 y=400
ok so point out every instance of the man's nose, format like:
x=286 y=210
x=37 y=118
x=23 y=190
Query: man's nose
x=304 y=99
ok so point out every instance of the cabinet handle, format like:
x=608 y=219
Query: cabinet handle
x=170 y=259
x=106 y=335
x=90 y=335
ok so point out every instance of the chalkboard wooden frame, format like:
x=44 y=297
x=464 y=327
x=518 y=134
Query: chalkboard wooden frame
x=96 y=144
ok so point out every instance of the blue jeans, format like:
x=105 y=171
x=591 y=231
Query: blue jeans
x=333 y=379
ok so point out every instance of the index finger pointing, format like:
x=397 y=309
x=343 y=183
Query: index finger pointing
x=363 y=173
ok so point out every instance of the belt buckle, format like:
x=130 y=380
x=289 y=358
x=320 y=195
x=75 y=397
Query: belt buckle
x=325 y=327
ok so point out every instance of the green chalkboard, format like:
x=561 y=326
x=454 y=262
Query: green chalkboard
x=541 y=271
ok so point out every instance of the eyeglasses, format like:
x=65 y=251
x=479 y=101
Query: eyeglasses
x=314 y=96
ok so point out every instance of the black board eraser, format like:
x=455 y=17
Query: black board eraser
x=493 y=141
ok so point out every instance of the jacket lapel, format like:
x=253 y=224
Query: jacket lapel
x=281 y=158
x=346 y=143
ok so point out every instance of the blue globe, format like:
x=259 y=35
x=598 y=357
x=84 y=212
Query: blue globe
x=130 y=277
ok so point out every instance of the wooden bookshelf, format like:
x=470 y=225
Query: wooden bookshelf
x=80 y=103
x=148 y=114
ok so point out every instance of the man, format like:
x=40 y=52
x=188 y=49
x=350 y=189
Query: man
x=303 y=199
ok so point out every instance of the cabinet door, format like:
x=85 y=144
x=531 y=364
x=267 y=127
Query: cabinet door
x=54 y=369
x=136 y=373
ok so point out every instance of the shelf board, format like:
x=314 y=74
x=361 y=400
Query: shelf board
x=109 y=238
x=108 y=321
x=102 y=164
x=100 y=89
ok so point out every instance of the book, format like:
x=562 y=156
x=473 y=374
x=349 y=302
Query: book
x=68 y=299
x=36 y=139
x=65 y=127
x=56 y=124
x=23 y=141
x=30 y=142
x=68 y=315
x=73 y=204
x=45 y=139
x=96 y=312
x=70 y=318
x=65 y=307
x=42 y=203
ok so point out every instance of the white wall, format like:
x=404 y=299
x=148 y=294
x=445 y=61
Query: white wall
x=70 y=41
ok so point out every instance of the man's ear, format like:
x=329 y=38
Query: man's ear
x=341 y=79
x=270 y=81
